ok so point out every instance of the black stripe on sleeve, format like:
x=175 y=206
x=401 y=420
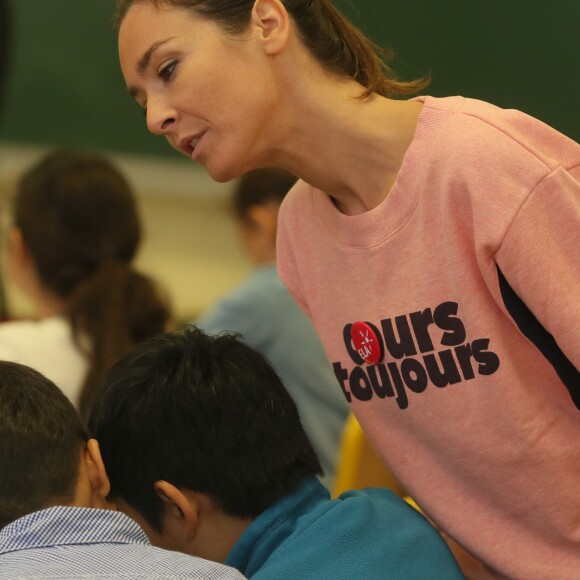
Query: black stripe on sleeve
x=539 y=336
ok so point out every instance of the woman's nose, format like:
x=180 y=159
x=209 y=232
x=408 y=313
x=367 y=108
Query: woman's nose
x=160 y=119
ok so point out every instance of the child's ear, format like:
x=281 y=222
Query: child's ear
x=264 y=217
x=99 y=480
x=181 y=513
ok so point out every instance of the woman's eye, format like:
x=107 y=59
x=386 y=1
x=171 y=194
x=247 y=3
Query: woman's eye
x=166 y=72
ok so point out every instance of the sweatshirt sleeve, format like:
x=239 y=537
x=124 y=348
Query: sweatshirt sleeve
x=540 y=259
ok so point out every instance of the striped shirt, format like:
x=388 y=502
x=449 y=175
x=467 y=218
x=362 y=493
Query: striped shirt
x=69 y=542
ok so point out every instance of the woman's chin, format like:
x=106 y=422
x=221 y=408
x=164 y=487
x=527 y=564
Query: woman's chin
x=221 y=172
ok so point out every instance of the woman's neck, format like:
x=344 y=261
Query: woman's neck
x=47 y=307
x=46 y=303
x=350 y=148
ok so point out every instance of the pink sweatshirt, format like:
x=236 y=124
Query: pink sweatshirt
x=477 y=421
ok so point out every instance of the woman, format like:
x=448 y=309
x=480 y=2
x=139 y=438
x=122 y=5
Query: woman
x=76 y=231
x=433 y=243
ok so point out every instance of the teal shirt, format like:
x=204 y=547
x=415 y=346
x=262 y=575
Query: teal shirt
x=362 y=535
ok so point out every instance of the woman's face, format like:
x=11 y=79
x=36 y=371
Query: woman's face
x=211 y=94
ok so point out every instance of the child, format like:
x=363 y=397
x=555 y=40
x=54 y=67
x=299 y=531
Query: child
x=269 y=320
x=205 y=450
x=54 y=521
x=76 y=230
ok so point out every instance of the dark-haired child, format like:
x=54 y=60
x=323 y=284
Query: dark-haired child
x=205 y=450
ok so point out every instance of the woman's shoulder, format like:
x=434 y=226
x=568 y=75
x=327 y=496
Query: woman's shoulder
x=298 y=194
x=481 y=127
x=46 y=345
x=295 y=208
x=23 y=326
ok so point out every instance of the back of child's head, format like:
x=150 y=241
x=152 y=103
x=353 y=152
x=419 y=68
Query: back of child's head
x=259 y=187
x=79 y=221
x=41 y=436
x=207 y=414
x=76 y=212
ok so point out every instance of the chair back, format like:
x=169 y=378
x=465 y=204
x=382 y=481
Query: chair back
x=359 y=465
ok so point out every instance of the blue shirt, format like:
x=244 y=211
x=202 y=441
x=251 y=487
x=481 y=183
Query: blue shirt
x=68 y=542
x=270 y=321
x=371 y=534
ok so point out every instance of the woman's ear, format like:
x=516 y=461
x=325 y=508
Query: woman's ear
x=20 y=266
x=181 y=513
x=18 y=256
x=271 y=20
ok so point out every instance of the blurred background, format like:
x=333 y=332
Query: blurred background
x=64 y=88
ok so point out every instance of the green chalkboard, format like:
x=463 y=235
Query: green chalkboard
x=65 y=86
x=522 y=54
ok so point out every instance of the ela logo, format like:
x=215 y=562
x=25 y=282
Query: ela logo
x=366 y=343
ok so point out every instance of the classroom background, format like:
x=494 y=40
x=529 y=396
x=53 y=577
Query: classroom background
x=65 y=89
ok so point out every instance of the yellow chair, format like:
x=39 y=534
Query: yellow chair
x=359 y=465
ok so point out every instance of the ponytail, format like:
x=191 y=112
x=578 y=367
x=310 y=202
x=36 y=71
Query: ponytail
x=80 y=222
x=110 y=313
x=343 y=48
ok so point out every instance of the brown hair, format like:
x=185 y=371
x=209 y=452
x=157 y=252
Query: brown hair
x=41 y=436
x=260 y=187
x=337 y=44
x=78 y=218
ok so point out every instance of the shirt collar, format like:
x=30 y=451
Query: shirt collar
x=58 y=526
x=263 y=536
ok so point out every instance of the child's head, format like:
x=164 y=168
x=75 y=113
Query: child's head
x=76 y=231
x=207 y=415
x=255 y=203
x=76 y=214
x=44 y=446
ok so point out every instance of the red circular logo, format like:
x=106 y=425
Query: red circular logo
x=366 y=343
